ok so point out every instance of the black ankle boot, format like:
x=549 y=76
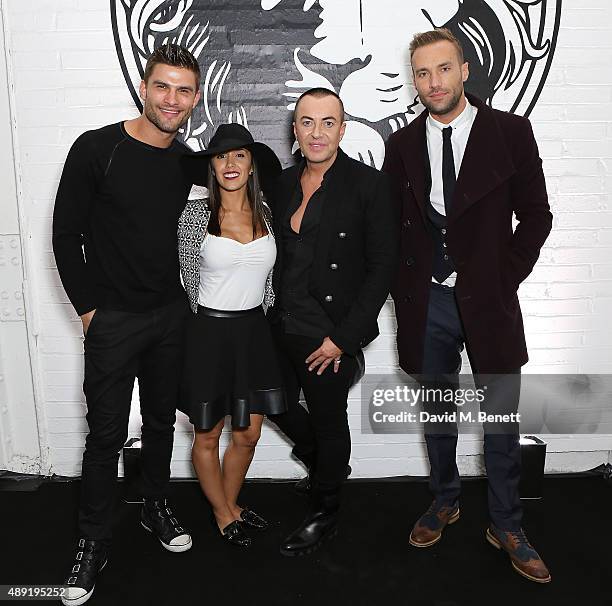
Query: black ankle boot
x=320 y=524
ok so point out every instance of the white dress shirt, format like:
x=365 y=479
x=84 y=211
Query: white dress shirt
x=462 y=126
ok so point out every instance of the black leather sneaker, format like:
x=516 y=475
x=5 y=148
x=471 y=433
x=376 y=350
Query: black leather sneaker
x=158 y=519
x=90 y=559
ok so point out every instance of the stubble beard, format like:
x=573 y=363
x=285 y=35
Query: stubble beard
x=446 y=109
x=156 y=120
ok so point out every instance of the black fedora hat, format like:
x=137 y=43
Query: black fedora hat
x=226 y=138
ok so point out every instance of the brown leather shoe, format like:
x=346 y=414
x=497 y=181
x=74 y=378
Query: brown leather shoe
x=428 y=529
x=525 y=559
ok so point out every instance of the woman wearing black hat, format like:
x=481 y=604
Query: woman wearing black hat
x=227 y=251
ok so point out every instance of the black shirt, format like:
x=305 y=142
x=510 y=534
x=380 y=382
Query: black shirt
x=115 y=222
x=301 y=313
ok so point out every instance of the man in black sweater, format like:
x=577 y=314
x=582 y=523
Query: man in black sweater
x=114 y=238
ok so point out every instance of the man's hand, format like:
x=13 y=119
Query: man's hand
x=86 y=319
x=324 y=356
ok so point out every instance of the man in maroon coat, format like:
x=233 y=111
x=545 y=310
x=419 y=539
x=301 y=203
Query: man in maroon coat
x=463 y=171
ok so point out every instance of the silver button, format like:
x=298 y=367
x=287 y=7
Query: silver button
x=444 y=244
x=443 y=230
x=333 y=266
x=329 y=298
x=446 y=257
x=342 y=234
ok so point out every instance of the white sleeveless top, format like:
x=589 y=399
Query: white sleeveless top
x=233 y=275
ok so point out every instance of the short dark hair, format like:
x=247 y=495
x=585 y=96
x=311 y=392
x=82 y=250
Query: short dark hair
x=174 y=55
x=318 y=93
x=435 y=35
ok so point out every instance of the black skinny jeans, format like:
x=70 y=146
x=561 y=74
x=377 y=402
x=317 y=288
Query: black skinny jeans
x=119 y=347
x=320 y=433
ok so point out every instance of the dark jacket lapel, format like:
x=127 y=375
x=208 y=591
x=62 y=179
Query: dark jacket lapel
x=486 y=162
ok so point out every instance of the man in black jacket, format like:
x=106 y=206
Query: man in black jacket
x=338 y=235
x=114 y=238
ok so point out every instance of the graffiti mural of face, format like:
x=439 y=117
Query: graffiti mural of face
x=379 y=89
x=319 y=128
x=439 y=76
x=357 y=48
x=169 y=97
x=371 y=38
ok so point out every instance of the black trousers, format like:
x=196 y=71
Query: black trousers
x=444 y=342
x=119 y=347
x=320 y=433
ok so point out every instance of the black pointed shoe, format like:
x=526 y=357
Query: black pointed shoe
x=320 y=524
x=90 y=559
x=157 y=517
x=249 y=518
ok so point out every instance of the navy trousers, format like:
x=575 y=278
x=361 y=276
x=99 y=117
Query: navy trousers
x=444 y=342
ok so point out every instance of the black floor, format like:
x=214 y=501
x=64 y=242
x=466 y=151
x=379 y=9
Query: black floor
x=370 y=563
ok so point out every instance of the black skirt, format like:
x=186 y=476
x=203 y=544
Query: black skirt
x=230 y=368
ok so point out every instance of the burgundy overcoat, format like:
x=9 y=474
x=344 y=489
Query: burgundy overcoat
x=500 y=177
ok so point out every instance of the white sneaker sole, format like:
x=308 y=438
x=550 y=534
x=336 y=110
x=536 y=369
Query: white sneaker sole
x=85 y=597
x=172 y=548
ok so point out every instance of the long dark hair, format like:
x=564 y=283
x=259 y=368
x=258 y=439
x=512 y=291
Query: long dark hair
x=259 y=211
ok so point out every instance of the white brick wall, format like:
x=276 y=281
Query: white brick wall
x=67 y=80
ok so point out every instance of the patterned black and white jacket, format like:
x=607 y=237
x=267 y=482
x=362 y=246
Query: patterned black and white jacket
x=192 y=229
